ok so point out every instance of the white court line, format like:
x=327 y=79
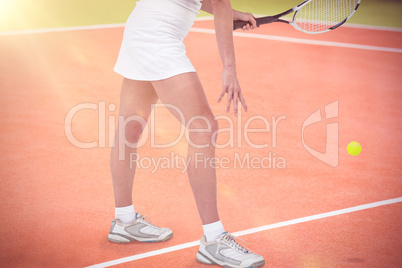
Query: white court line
x=372 y=27
x=251 y=231
x=121 y=25
x=302 y=41
x=207 y=18
x=211 y=31
x=63 y=29
x=77 y=28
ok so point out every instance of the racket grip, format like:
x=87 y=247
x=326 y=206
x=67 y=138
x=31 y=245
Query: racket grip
x=237 y=24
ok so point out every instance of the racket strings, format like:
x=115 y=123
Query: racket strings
x=320 y=15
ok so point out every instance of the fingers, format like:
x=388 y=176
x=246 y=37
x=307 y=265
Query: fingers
x=246 y=27
x=235 y=103
x=252 y=23
x=243 y=102
x=222 y=94
x=231 y=87
x=230 y=97
x=237 y=97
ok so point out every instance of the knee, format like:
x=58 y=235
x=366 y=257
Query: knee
x=203 y=130
x=132 y=132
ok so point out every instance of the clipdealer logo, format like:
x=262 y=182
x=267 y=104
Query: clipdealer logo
x=107 y=124
x=238 y=132
x=331 y=154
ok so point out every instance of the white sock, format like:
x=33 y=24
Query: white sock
x=125 y=214
x=213 y=230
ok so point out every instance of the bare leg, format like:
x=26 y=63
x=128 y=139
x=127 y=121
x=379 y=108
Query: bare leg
x=136 y=99
x=185 y=92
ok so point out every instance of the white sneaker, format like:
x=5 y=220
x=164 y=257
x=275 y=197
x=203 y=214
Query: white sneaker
x=138 y=230
x=227 y=252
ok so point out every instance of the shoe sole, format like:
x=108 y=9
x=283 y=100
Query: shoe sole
x=206 y=260
x=123 y=239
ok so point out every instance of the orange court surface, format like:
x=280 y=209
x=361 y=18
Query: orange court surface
x=296 y=211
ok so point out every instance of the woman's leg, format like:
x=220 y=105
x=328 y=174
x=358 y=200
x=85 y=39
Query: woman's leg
x=136 y=99
x=135 y=106
x=185 y=92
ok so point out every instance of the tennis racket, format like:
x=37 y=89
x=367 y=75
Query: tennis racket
x=312 y=16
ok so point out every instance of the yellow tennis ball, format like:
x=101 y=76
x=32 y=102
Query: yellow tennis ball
x=354 y=148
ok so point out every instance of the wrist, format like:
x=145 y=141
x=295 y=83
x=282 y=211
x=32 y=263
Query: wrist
x=229 y=68
x=229 y=63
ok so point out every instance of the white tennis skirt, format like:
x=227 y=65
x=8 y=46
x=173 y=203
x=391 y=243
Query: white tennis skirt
x=152 y=47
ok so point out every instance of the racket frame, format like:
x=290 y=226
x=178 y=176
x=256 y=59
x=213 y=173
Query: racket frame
x=237 y=24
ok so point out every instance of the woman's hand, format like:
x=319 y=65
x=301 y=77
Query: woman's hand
x=238 y=15
x=231 y=86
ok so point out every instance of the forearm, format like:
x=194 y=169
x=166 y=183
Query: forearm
x=223 y=18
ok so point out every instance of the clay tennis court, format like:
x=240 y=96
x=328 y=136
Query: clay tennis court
x=57 y=198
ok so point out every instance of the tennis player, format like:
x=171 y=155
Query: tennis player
x=154 y=65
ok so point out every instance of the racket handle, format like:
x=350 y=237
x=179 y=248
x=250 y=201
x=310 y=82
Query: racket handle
x=237 y=24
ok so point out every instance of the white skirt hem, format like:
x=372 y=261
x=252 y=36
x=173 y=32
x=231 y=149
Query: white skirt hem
x=167 y=75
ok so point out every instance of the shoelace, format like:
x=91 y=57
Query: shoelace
x=230 y=240
x=144 y=219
